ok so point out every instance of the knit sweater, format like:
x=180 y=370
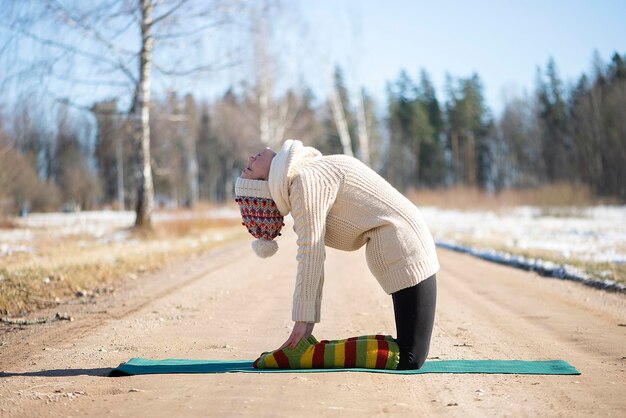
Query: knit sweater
x=338 y=201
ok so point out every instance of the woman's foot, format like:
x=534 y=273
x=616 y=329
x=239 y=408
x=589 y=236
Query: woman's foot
x=370 y=351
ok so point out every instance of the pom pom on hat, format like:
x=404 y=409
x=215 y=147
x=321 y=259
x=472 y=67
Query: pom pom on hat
x=264 y=248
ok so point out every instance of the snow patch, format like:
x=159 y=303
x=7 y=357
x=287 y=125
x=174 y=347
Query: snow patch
x=591 y=234
x=8 y=249
x=596 y=234
x=541 y=267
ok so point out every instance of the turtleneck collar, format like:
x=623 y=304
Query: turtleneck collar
x=290 y=153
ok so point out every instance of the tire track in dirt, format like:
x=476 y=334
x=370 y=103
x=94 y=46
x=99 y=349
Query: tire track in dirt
x=514 y=316
x=130 y=296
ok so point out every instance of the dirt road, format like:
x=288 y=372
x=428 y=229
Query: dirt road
x=231 y=305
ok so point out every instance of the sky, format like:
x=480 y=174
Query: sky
x=503 y=41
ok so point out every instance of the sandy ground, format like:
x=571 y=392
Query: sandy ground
x=229 y=304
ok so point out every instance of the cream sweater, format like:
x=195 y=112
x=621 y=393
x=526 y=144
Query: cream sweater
x=338 y=201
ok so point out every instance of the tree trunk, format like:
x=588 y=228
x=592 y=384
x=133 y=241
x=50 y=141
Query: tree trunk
x=417 y=151
x=340 y=121
x=228 y=181
x=471 y=172
x=119 y=168
x=264 y=116
x=597 y=138
x=454 y=145
x=287 y=113
x=145 y=188
x=263 y=78
x=364 y=149
x=192 y=171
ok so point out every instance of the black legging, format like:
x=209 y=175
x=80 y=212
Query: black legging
x=414 y=309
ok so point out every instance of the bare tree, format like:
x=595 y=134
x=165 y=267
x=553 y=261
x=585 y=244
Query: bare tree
x=364 y=149
x=120 y=42
x=275 y=110
x=192 y=127
x=141 y=114
x=340 y=120
x=20 y=186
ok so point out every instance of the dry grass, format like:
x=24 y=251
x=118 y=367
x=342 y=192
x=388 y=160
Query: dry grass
x=553 y=198
x=63 y=268
x=560 y=200
x=6 y=223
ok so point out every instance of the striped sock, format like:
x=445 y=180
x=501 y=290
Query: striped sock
x=368 y=351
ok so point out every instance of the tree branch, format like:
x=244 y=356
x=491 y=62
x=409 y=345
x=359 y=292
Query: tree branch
x=90 y=82
x=169 y=12
x=74 y=50
x=86 y=28
x=52 y=43
x=189 y=33
x=189 y=71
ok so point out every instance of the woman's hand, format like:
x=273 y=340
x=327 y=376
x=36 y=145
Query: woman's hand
x=300 y=330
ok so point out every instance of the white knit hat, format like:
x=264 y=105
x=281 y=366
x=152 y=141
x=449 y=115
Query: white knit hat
x=260 y=214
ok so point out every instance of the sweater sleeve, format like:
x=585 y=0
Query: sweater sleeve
x=311 y=198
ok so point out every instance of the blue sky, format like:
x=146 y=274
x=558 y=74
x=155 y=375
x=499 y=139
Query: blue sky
x=503 y=41
x=373 y=40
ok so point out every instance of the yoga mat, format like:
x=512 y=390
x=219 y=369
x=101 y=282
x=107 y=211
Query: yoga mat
x=146 y=366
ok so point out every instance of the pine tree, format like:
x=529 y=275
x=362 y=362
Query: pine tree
x=556 y=146
x=468 y=125
x=432 y=155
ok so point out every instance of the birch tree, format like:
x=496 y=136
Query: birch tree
x=274 y=115
x=364 y=149
x=340 y=120
x=113 y=46
x=140 y=112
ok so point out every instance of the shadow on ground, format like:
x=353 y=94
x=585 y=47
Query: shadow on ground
x=100 y=372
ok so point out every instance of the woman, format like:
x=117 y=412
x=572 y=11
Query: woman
x=339 y=202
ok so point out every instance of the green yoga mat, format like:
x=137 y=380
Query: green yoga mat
x=145 y=366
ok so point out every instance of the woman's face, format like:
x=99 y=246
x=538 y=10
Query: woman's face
x=259 y=165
